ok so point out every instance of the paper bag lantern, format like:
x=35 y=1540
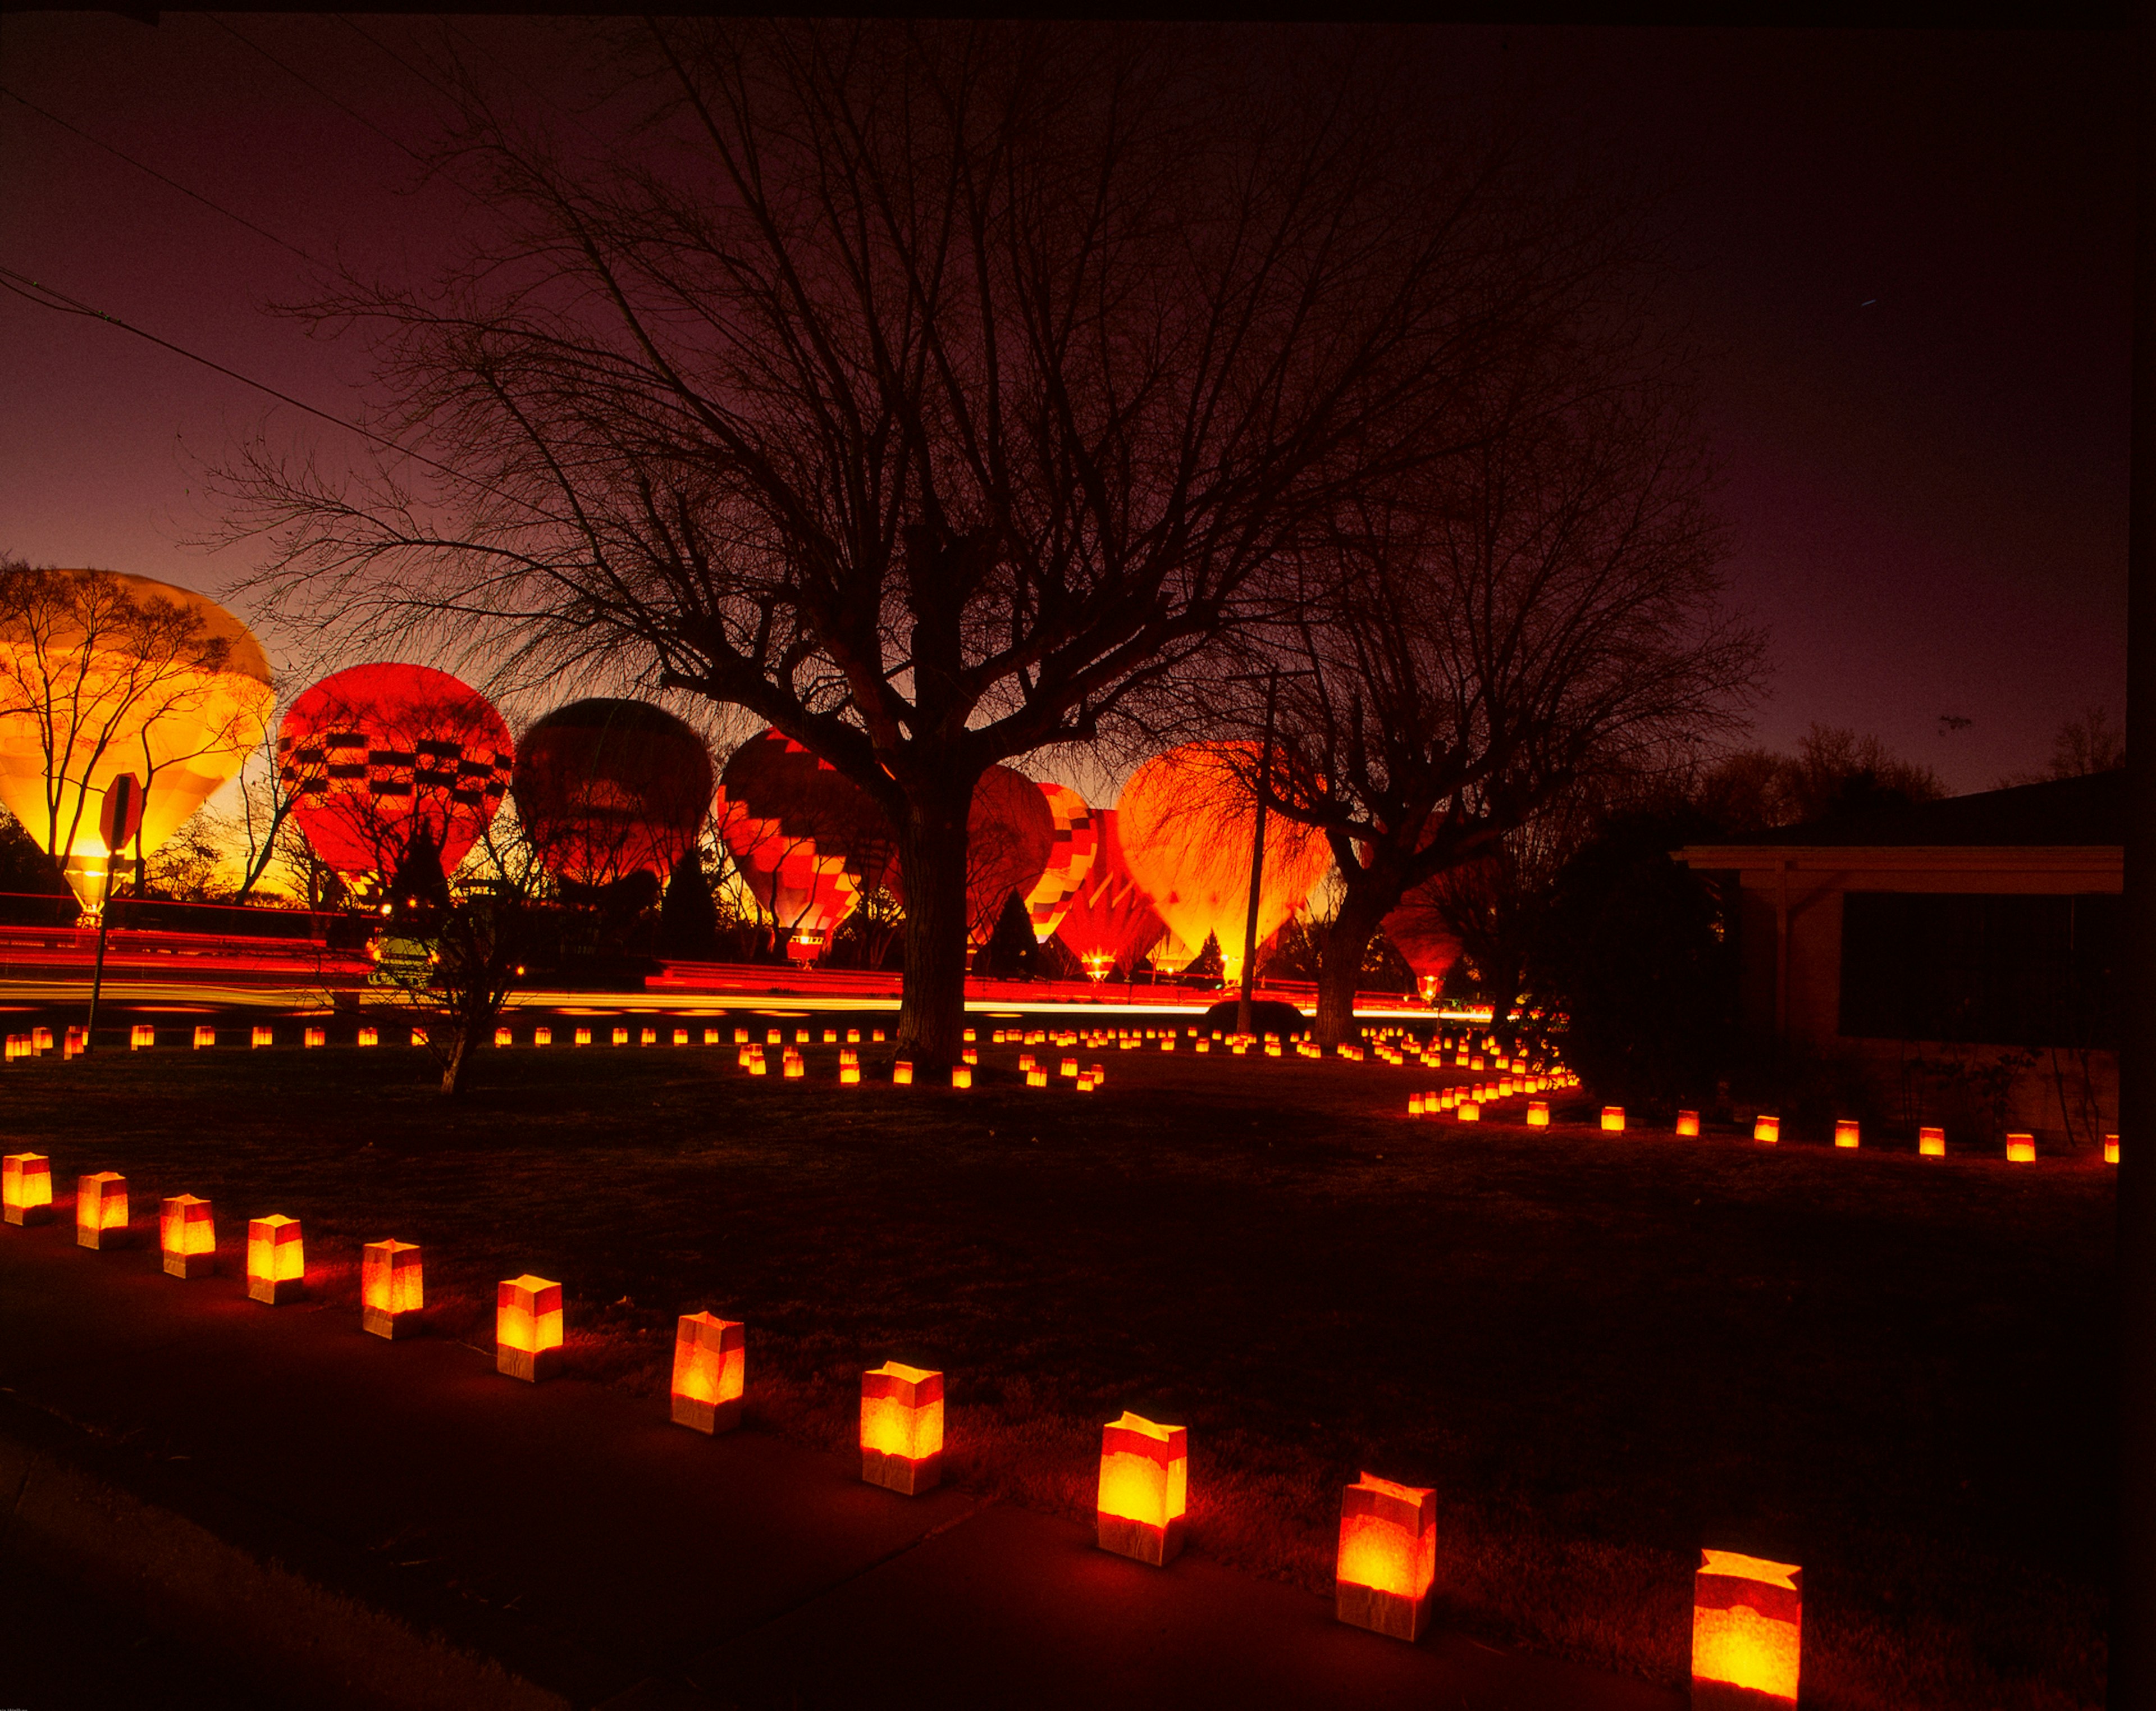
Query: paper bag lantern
x=41 y=1039
x=2111 y=1150
x=101 y=1211
x=682 y=1037
x=1845 y=1134
x=740 y=1036
x=527 y=1329
x=850 y=1075
x=961 y=1074
x=831 y=1036
x=313 y=1037
x=1538 y=1113
x=1932 y=1143
x=1613 y=1119
x=1688 y=1123
x=1747 y=1633
x=502 y=1036
x=1144 y=1483
x=621 y=1036
x=1037 y=1077
x=1414 y=1105
x=647 y=1036
x=1387 y=1557
x=26 y=1188
x=584 y=1036
x=901 y=1074
x=876 y=1036
x=1468 y=1112
x=971 y=1053
x=205 y=1037
x=710 y=1364
x=902 y=1428
x=188 y=1235
x=853 y=1036
x=370 y=1036
x=793 y=1068
x=1768 y=1129
x=542 y=1036
x=139 y=1038
x=259 y=1037
x=276 y=1260
x=418 y=1036
x=2021 y=1149
x=393 y=1288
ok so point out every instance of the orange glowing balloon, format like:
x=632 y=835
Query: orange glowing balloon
x=1186 y=820
x=1110 y=921
x=101 y=674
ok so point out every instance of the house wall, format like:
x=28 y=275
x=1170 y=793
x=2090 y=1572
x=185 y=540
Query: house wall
x=2066 y=1098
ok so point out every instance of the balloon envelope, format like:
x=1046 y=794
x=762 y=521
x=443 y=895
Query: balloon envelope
x=811 y=842
x=1072 y=855
x=1418 y=932
x=104 y=674
x=1185 y=821
x=1110 y=921
x=608 y=788
x=378 y=757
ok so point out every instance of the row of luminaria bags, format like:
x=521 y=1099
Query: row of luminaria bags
x=1746 y=1612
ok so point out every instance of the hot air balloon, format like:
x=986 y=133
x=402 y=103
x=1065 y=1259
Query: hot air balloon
x=103 y=673
x=811 y=842
x=1418 y=932
x=1010 y=836
x=385 y=760
x=608 y=788
x=1110 y=921
x=1071 y=858
x=1185 y=821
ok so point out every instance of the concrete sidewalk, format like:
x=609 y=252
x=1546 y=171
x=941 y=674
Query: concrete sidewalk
x=342 y=1520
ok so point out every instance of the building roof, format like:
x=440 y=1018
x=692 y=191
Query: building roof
x=2060 y=814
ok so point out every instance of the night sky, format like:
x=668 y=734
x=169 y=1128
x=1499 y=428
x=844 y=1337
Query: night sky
x=1905 y=258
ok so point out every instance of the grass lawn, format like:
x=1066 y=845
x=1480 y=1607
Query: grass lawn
x=1602 y=1351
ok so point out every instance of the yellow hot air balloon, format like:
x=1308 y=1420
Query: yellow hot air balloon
x=101 y=674
x=1185 y=821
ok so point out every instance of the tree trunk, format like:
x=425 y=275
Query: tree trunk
x=1340 y=952
x=453 y=1067
x=932 y=857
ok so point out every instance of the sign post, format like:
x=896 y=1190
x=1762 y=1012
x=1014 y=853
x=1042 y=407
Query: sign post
x=119 y=820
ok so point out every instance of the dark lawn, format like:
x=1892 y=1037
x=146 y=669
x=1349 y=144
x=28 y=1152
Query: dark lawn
x=1601 y=1351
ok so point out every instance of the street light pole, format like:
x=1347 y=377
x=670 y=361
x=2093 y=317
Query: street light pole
x=1257 y=861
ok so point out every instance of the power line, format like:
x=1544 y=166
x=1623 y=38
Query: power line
x=384 y=49
x=173 y=183
x=48 y=297
x=351 y=113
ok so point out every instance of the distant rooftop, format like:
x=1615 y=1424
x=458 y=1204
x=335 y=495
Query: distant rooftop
x=2089 y=810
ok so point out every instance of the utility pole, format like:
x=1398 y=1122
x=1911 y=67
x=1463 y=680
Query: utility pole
x=1257 y=859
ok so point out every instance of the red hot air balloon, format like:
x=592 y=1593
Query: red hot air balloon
x=810 y=840
x=377 y=758
x=1077 y=842
x=1419 y=934
x=610 y=788
x=1010 y=836
x=1186 y=818
x=1110 y=921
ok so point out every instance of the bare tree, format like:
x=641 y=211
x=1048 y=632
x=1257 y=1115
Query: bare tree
x=932 y=391
x=1834 y=770
x=2092 y=743
x=1536 y=611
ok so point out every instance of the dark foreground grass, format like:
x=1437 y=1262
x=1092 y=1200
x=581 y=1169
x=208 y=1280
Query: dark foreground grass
x=1601 y=1352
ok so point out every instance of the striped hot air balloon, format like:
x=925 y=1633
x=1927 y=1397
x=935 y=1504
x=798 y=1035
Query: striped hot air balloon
x=811 y=842
x=1070 y=860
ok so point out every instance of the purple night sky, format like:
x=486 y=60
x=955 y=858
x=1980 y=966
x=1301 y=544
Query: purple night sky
x=1905 y=258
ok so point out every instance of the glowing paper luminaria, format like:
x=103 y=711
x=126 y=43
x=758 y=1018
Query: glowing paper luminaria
x=1613 y=1119
x=276 y=1260
x=141 y=1037
x=1387 y=1557
x=26 y=1188
x=1768 y=1129
x=902 y=1428
x=2021 y=1149
x=1932 y=1143
x=527 y=1328
x=101 y=1211
x=710 y=1357
x=393 y=1288
x=1747 y=1633
x=1145 y=1475
x=1688 y=1123
x=205 y=1037
x=1846 y=1133
x=1538 y=1113
x=2111 y=1150
x=187 y=1233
